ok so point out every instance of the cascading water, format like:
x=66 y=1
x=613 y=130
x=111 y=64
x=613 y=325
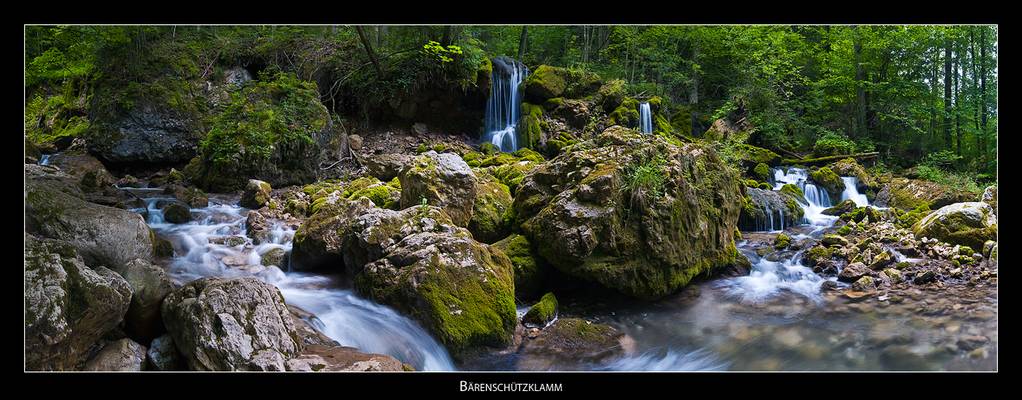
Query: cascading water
x=645 y=118
x=852 y=192
x=215 y=243
x=817 y=198
x=504 y=105
x=45 y=159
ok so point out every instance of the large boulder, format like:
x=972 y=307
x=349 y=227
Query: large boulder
x=270 y=131
x=443 y=180
x=68 y=306
x=352 y=233
x=387 y=166
x=256 y=194
x=90 y=173
x=103 y=235
x=493 y=199
x=119 y=355
x=764 y=210
x=632 y=212
x=459 y=289
x=146 y=133
x=573 y=342
x=908 y=194
x=968 y=224
x=849 y=167
x=231 y=324
x=149 y=284
x=828 y=179
x=319 y=357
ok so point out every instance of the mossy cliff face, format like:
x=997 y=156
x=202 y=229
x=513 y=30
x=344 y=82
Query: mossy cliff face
x=848 y=167
x=443 y=180
x=757 y=202
x=268 y=131
x=69 y=307
x=646 y=240
x=968 y=224
x=459 y=289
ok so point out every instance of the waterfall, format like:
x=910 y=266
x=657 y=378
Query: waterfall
x=45 y=159
x=645 y=118
x=816 y=198
x=852 y=192
x=504 y=105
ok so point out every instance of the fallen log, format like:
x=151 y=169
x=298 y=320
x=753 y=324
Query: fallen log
x=829 y=159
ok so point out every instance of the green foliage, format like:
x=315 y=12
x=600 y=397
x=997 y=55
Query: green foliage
x=833 y=144
x=957 y=180
x=645 y=180
x=441 y=53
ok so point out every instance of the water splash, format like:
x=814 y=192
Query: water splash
x=668 y=359
x=852 y=191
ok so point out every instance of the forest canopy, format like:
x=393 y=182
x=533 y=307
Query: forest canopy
x=918 y=95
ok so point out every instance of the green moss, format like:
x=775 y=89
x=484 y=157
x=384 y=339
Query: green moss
x=826 y=178
x=908 y=219
x=751 y=183
x=761 y=171
x=627 y=114
x=488 y=148
x=542 y=312
x=530 y=126
x=383 y=195
x=421 y=148
x=611 y=94
x=545 y=82
x=782 y=241
x=266 y=126
x=818 y=253
x=844 y=230
x=793 y=191
x=493 y=199
x=529 y=276
x=751 y=155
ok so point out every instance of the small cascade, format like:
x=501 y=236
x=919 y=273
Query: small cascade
x=645 y=118
x=852 y=191
x=770 y=278
x=504 y=105
x=817 y=198
x=770 y=217
x=45 y=159
x=342 y=315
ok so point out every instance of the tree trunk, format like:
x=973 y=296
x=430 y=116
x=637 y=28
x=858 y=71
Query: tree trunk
x=369 y=51
x=448 y=35
x=860 y=90
x=983 y=90
x=958 y=98
x=947 y=93
x=522 y=42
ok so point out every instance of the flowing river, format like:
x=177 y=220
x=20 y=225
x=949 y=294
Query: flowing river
x=775 y=318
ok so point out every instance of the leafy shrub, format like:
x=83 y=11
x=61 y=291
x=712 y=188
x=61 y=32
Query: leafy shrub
x=832 y=144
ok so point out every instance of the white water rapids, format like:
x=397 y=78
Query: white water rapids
x=339 y=313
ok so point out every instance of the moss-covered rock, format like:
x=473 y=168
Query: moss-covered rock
x=572 y=342
x=530 y=273
x=827 y=179
x=611 y=94
x=530 y=126
x=751 y=156
x=845 y=206
x=782 y=241
x=493 y=200
x=848 y=167
x=816 y=254
x=68 y=306
x=764 y=209
x=443 y=180
x=990 y=197
x=908 y=194
x=541 y=313
x=383 y=195
x=632 y=212
x=626 y=114
x=459 y=289
x=761 y=172
x=267 y=132
x=548 y=82
x=967 y=224
x=256 y=194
